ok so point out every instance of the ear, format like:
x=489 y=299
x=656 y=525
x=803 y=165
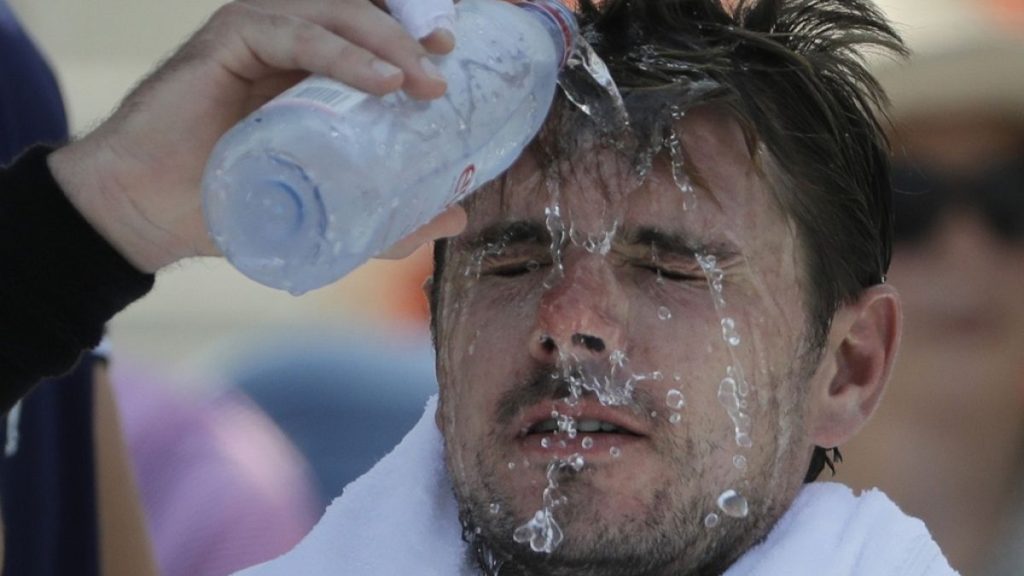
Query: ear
x=855 y=367
x=439 y=416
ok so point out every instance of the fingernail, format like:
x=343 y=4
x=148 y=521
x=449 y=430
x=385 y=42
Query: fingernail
x=384 y=68
x=443 y=22
x=431 y=69
x=443 y=34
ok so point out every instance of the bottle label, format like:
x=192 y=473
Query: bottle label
x=323 y=93
x=464 y=183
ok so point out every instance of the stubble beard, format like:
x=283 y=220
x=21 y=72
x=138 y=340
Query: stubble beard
x=669 y=538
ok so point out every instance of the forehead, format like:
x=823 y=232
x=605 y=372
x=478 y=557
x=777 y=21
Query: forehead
x=715 y=191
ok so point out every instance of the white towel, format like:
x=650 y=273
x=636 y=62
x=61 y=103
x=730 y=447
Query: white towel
x=398 y=518
x=830 y=531
x=401 y=518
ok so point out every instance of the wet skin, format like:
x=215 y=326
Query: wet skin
x=504 y=330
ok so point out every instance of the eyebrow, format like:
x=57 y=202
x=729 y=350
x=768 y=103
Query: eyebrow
x=509 y=233
x=677 y=243
x=532 y=232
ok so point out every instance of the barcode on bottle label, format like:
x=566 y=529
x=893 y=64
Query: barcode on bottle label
x=323 y=92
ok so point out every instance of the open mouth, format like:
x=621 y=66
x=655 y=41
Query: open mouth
x=585 y=426
x=590 y=429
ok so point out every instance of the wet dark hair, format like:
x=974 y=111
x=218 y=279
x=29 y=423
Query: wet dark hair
x=793 y=73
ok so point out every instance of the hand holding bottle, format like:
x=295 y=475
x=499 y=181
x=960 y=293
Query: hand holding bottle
x=136 y=178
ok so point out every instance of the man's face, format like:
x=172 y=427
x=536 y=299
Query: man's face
x=631 y=314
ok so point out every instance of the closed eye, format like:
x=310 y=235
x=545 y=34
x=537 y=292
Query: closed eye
x=512 y=269
x=670 y=274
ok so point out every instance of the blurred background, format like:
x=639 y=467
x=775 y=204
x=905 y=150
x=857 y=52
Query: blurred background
x=948 y=442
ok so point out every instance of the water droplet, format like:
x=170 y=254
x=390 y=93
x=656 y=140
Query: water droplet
x=511 y=465
x=657 y=376
x=711 y=520
x=541 y=532
x=729 y=333
x=495 y=507
x=727 y=395
x=545 y=442
x=576 y=462
x=664 y=313
x=732 y=504
x=587 y=443
x=675 y=418
x=615 y=451
x=739 y=461
x=566 y=424
x=674 y=399
x=677 y=377
x=743 y=440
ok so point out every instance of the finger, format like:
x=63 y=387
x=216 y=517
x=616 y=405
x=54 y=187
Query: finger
x=282 y=42
x=366 y=25
x=451 y=222
x=369 y=27
x=439 y=41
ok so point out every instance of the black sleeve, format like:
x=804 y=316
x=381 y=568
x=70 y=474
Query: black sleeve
x=60 y=281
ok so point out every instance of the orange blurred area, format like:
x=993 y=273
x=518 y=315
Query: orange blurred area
x=1008 y=13
x=389 y=289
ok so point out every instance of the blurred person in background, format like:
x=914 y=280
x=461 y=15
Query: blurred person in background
x=947 y=442
x=222 y=487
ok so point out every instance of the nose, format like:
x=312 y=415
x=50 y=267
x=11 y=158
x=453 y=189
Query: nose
x=582 y=316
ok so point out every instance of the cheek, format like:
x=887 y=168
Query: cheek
x=483 y=348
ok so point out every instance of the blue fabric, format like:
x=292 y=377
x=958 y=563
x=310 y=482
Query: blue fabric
x=31 y=108
x=344 y=400
x=47 y=487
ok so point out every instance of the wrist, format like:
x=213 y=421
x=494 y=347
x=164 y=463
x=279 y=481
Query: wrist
x=86 y=172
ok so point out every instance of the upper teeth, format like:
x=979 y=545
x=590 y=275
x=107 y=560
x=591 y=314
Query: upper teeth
x=551 y=425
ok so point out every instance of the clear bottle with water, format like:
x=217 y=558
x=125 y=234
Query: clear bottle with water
x=325 y=176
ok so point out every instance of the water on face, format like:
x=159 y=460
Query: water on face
x=541 y=531
x=674 y=399
x=587 y=83
x=600 y=99
x=732 y=504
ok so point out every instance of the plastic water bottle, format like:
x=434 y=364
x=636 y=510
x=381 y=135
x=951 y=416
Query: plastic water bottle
x=325 y=176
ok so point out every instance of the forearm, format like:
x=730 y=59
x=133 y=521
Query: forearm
x=60 y=281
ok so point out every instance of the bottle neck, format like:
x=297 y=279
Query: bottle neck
x=558 y=20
